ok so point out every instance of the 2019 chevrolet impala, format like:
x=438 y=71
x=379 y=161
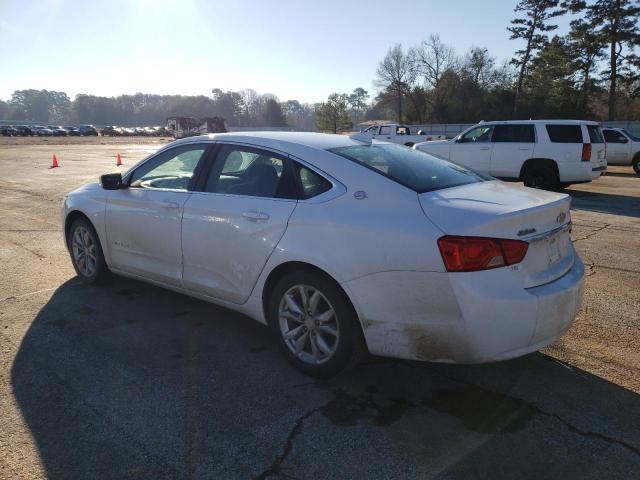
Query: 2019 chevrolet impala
x=332 y=240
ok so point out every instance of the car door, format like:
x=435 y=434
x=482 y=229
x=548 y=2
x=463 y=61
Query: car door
x=473 y=149
x=231 y=227
x=143 y=221
x=513 y=144
x=618 y=146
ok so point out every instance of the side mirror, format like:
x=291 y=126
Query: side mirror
x=112 y=181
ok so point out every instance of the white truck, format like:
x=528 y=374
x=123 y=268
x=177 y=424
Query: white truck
x=398 y=133
x=623 y=148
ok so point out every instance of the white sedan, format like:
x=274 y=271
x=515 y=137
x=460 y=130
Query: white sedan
x=333 y=240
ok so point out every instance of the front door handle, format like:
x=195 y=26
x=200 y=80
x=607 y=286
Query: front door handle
x=170 y=204
x=253 y=215
x=485 y=148
x=524 y=148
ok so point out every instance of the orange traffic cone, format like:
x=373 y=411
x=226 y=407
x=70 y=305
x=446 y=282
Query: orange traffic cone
x=118 y=160
x=54 y=161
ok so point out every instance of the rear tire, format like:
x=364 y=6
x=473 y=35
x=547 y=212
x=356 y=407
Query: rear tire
x=636 y=164
x=541 y=176
x=314 y=323
x=86 y=252
x=565 y=185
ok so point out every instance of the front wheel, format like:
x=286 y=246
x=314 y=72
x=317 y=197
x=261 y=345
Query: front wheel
x=314 y=323
x=636 y=164
x=541 y=176
x=86 y=252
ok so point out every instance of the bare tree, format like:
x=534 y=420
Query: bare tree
x=432 y=58
x=478 y=65
x=395 y=74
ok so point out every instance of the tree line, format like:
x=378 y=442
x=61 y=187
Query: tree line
x=591 y=72
x=245 y=108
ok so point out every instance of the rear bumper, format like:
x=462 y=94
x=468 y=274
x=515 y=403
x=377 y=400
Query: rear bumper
x=597 y=172
x=462 y=318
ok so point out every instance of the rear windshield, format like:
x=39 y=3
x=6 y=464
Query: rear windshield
x=595 y=134
x=565 y=133
x=414 y=169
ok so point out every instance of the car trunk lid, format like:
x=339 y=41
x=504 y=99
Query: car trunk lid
x=499 y=210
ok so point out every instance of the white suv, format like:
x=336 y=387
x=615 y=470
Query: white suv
x=544 y=154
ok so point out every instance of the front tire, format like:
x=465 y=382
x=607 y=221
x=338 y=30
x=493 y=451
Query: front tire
x=86 y=252
x=314 y=323
x=541 y=176
x=636 y=164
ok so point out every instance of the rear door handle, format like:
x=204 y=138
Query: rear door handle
x=170 y=204
x=253 y=215
x=485 y=148
x=524 y=148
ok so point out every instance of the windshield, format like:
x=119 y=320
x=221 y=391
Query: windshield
x=631 y=136
x=414 y=169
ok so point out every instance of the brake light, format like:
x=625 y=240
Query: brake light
x=470 y=254
x=586 y=152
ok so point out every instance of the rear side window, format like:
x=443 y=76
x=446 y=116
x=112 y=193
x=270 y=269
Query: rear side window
x=595 y=134
x=513 y=133
x=312 y=183
x=565 y=133
x=414 y=169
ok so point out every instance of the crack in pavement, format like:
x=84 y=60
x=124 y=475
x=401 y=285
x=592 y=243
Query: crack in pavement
x=591 y=234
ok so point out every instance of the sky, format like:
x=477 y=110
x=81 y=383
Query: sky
x=302 y=50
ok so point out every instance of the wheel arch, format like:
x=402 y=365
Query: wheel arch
x=539 y=161
x=283 y=269
x=71 y=217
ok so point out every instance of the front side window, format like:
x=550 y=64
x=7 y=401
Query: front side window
x=171 y=169
x=513 y=133
x=412 y=168
x=612 y=136
x=385 y=130
x=372 y=130
x=251 y=172
x=478 y=134
x=564 y=133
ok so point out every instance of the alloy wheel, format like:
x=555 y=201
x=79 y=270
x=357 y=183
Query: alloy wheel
x=308 y=324
x=84 y=251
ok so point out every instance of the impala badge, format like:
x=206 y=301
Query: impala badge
x=526 y=231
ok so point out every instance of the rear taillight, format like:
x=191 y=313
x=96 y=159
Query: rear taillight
x=469 y=254
x=586 y=152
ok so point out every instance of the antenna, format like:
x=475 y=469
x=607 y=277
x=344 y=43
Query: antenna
x=364 y=137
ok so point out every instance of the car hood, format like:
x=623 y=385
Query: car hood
x=496 y=209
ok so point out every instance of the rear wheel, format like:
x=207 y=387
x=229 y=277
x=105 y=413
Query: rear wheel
x=314 y=322
x=542 y=176
x=636 y=164
x=86 y=252
x=565 y=185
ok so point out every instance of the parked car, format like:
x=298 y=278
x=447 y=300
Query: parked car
x=87 y=130
x=23 y=130
x=464 y=268
x=623 y=148
x=41 y=131
x=396 y=133
x=8 y=131
x=73 y=131
x=112 y=131
x=57 y=131
x=545 y=154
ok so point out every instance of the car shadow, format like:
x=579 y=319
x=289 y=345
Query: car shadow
x=604 y=203
x=128 y=380
x=621 y=174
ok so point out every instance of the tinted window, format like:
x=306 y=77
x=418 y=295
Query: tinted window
x=595 y=134
x=478 y=134
x=252 y=172
x=612 y=136
x=513 y=133
x=171 y=169
x=312 y=183
x=565 y=133
x=412 y=168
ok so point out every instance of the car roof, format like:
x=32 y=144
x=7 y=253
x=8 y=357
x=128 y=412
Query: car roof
x=553 y=121
x=279 y=140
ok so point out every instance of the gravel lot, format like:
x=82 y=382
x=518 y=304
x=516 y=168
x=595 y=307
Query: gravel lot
x=132 y=381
